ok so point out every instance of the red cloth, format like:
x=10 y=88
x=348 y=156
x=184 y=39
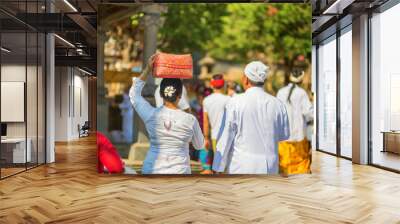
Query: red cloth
x=108 y=156
x=217 y=83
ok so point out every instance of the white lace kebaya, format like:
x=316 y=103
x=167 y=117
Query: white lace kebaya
x=170 y=132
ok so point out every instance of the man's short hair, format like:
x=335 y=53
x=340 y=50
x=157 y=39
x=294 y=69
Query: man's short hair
x=259 y=84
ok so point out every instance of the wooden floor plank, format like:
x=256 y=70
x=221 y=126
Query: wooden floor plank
x=70 y=191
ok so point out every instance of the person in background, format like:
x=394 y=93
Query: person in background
x=204 y=155
x=213 y=109
x=233 y=88
x=196 y=101
x=127 y=118
x=310 y=126
x=298 y=106
x=115 y=119
x=300 y=112
x=254 y=123
x=183 y=102
x=170 y=129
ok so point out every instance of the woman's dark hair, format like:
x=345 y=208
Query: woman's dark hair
x=171 y=89
x=218 y=76
x=290 y=93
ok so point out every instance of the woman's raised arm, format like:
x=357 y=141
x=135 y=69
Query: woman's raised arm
x=142 y=107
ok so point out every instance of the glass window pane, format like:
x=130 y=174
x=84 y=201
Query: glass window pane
x=41 y=98
x=346 y=93
x=31 y=97
x=14 y=152
x=23 y=87
x=385 y=84
x=327 y=96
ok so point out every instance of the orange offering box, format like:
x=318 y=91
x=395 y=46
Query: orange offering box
x=173 y=66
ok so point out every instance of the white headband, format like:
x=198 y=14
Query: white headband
x=256 y=71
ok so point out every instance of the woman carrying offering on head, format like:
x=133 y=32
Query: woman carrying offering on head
x=170 y=129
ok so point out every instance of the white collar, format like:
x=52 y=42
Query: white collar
x=255 y=89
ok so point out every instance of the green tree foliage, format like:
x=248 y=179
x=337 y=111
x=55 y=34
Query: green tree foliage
x=241 y=33
x=280 y=33
x=191 y=27
x=288 y=33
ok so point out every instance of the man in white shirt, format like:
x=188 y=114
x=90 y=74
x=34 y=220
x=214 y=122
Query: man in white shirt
x=213 y=110
x=300 y=113
x=298 y=105
x=183 y=102
x=254 y=123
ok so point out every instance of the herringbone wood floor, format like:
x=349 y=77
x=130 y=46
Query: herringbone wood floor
x=70 y=191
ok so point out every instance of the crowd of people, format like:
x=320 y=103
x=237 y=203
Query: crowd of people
x=233 y=133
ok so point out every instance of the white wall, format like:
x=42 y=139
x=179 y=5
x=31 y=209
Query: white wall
x=61 y=103
x=71 y=93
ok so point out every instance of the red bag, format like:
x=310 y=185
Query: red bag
x=173 y=66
